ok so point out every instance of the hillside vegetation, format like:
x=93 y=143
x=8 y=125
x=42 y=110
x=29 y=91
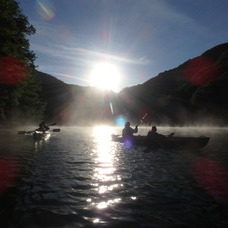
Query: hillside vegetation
x=193 y=93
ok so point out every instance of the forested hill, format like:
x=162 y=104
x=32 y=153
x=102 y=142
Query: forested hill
x=73 y=104
x=193 y=93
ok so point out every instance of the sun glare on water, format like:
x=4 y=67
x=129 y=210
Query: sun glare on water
x=105 y=76
x=105 y=178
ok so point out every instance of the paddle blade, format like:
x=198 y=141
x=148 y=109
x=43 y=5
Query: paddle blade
x=56 y=130
x=52 y=124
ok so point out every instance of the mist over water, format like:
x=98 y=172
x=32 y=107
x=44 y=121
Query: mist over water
x=79 y=177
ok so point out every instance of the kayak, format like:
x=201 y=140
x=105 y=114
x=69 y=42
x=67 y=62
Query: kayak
x=165 y=142
x=39 y=135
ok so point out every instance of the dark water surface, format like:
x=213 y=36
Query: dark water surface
x=79 y=178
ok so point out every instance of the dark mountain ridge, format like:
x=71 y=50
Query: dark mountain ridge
x=195 y=92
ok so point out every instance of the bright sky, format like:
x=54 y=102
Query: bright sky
x=140 y=38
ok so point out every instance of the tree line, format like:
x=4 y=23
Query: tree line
x=19 y=86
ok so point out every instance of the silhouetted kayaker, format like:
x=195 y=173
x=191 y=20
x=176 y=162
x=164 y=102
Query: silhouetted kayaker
x=153 y=132
x=43 y=127
x=129 y=131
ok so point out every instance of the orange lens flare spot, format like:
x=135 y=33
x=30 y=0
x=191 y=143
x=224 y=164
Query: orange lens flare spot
x=128 y=99
x=8 y=173
x=12 y=71
x=200 y=71
x=212 y=176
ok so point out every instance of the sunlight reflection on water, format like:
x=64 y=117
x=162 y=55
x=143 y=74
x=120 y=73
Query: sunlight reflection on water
x=104 y=173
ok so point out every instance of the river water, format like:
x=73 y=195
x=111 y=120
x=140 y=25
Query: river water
x=80 y=178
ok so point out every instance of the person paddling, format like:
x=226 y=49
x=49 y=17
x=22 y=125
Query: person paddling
x=153 y=133
x=43 y=127
x=128 y=131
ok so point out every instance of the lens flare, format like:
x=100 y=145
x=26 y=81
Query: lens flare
x=200 y=70
x=128 y=142
x=8 y=173
x=212 y=176
x=45 y=9
x=120 y=121
x=12 y=70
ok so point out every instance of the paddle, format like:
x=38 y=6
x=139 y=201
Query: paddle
x=30 y=132
x=56 y=130
x=141 y=120
x=24 y=132
x=52 y=124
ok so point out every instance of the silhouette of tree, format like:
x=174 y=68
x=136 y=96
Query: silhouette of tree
x=19 y=86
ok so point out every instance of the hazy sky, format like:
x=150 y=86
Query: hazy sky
x=142 y=38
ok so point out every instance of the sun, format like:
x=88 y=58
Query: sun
x=105 y=76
